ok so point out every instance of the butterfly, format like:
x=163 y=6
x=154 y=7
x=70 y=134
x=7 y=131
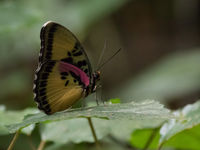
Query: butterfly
x=64 y=74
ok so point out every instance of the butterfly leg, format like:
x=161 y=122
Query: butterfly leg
x=83 y=103
x=100 y=89
x=99 y=97
x=96 y=97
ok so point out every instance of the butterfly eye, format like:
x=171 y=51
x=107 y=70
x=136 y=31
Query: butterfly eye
x=98 y=72
x=96 y=75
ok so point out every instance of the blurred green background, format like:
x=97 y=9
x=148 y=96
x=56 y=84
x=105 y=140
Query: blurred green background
x=160 y=43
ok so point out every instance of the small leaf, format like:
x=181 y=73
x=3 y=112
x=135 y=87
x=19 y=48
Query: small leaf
x=183 y=127
x=115 y=101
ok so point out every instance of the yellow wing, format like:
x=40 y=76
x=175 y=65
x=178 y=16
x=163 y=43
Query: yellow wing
x=55 y=90
x=58 y=43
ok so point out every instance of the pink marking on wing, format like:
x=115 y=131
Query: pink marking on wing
x=66 y=67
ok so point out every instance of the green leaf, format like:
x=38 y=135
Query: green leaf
x=187 y=139
x=12 y=117
x=108 y=145
x=185 y=128
x=66 y=131
x=140 y=138
x=28 y=130
x=140 y=113
x=73 y=130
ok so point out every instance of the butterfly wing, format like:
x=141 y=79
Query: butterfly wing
x=58 y=86
x=58 y=43
x=63 y=72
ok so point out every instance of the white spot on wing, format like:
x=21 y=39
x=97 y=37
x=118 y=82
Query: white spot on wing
x=34 y=86
x=35 y=77
x=47 y=23
x=34 y=95
x=39 y=66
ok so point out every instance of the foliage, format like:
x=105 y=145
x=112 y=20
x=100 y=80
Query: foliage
x=174 y=132
x=108 y=119
x=180 y=133
x=134 y=111
x=138 y=122
x=133 y=125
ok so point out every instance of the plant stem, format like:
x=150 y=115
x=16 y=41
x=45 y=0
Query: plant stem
x=93 y=131
x=13 y=140
x=153 y=134
x=31 y=143
x=160 y=146
x=41 y=146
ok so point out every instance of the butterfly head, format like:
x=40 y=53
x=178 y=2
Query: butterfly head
x=96 y=78
x=96 y=75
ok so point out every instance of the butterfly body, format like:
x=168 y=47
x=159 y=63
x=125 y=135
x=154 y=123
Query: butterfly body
x=64 y=74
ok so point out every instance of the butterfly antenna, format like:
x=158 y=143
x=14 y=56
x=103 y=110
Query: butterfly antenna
x=102 y=53
x=109 y=59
